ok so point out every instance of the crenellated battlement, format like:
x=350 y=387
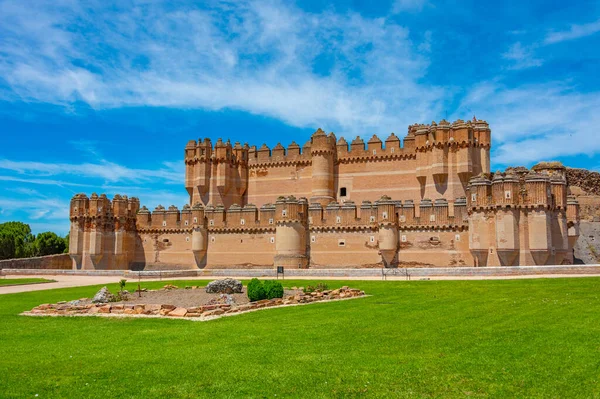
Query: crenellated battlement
x=419 y=137
x=102 y=233
x=333 y=211
x=327 y=144
x=258 y=157
x=522 y=216
x=428 y=214
x=439 y=154
x=204 y=151
x=475 y=133
x=526 y=189
x=384 y=212
x=171 y=219
x=99 y=206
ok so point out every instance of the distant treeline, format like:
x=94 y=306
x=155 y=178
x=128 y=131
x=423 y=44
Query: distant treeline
x=16 y=241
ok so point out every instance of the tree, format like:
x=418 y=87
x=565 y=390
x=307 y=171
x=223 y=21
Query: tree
x=7 y=245
x=66 y=251
x=49 y=243
x=23 y=240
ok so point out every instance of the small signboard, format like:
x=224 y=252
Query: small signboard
x=280 y=271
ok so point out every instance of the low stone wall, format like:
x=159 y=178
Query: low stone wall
x=204 y=312
x=55 y=262
x=413 y=273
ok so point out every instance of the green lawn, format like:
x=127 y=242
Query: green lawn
x=22 y=281
x=507 y=339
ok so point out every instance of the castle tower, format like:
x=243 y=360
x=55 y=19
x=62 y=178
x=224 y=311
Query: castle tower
x=218 y=175
x=221 y=179
x=559 y=224
x=504 y=192
x=240 y=157
x=323 y=151
x=572 y=224
x=124 y=212
x=99 y=235
x=102 y=234
x=479 y=229
x=482 y=144
x=199 y=235
x=290 y=232
x=198 y=169
x=388 y=231
x=78 y=211
x=539 y=197
x=448 y=155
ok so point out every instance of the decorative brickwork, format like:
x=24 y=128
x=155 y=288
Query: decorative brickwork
x=431 y=201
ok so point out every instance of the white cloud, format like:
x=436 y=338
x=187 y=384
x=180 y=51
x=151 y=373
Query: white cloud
x=104 y=170
x=408 y=5
x=37 y=208
x=259 y=57
x=536 y=122
x=50 y=182
x=574 y=32
x=521 y=57
x=26 y=191
x=344 y=72
x=88 y=147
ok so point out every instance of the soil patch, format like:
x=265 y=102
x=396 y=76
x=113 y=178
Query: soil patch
x=188 y=303
x=185 y=298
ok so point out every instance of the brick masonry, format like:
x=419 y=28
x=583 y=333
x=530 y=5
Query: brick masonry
x=55 y=262
x=427 y=200
x=414 y=273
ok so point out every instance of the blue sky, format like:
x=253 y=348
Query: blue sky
x=102 y=96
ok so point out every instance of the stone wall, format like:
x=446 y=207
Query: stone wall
x=587 y=180
x=414 y=273
x=587 y=248
x=57 y=262
x=585 y=186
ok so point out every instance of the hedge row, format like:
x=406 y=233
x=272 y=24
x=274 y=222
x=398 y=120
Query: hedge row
x=268 y=289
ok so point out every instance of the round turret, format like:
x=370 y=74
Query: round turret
x=323 y=155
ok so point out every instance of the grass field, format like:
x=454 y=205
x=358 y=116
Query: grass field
x=21 y=281
x=512 y=338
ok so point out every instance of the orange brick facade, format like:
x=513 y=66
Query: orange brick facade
x=429 y=200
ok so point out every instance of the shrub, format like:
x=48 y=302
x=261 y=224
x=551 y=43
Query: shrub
x=322 y=287
x=319 y=287
x=308 y=289
x=273 y=289
x=256 y=290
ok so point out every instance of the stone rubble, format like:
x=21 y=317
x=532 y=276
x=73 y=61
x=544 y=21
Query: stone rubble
x=201 y=312
x=225 y=286
x=102 y=296
x=223 y=299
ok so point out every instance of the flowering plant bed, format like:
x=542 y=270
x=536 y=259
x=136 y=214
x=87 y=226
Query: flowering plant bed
x=202 y=312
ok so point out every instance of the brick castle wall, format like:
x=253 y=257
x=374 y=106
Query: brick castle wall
x=57 y=262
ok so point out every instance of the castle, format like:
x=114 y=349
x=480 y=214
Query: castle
x=431 y=201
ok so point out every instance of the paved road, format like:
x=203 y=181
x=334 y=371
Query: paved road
x=78 y=281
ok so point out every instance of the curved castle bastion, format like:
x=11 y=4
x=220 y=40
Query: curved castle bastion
x=431 y=201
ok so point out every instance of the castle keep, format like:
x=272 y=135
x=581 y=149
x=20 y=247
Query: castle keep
x=428 y=201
